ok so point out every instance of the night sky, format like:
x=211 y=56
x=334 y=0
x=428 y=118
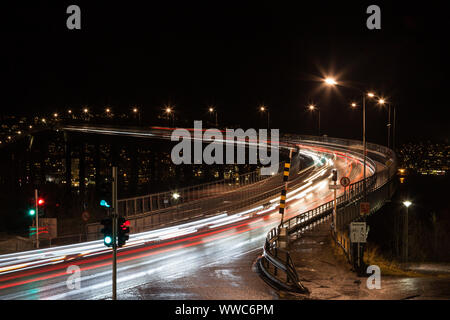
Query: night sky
x=235 y=55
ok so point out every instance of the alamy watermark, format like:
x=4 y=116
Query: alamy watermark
x=258 y=144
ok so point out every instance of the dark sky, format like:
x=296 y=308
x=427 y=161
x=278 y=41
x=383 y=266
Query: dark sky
x=234 y=54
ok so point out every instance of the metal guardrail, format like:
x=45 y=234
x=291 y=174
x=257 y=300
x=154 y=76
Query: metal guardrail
x=130 y=207
x=271 y=262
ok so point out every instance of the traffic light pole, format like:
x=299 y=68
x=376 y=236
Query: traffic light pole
x=114 y=233
x=37 y=216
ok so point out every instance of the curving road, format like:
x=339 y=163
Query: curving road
x=204 y=259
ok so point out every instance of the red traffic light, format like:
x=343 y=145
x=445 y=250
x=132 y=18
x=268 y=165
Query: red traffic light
x=40 y=201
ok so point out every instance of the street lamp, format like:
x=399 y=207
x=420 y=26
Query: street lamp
x=138 y=112
x=332 y=82
x=312 y=108
x=169 y=111
x=382 y=101
x=406 y=203
x=212 y=110
x=263 y=109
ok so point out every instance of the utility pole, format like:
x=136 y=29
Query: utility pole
x=36 y=204
x=389 y=127
x=364 y=145
x=114 y=233
x=393 y=133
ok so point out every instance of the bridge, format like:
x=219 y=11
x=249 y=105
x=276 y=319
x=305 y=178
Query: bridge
x=212 y=234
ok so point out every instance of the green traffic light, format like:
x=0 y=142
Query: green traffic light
x=31 y=212
x=107 y=240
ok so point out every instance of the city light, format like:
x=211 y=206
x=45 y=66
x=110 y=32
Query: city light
x=176 y=195
x=370 y=94
x=381 y=101
x=311 y=107
x=354 y=105
x=407 y=203
x=330 y=81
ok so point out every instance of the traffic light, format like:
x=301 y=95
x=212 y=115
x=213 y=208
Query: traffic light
x=105 y=194
x=107 y=232
x=31 y=212
x=122 y=231
x=334 y=178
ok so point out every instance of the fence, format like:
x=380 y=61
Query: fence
x=378 y=189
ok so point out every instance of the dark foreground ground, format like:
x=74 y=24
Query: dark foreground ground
x=323 y=269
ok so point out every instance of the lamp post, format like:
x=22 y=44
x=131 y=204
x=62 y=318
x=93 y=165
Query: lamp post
x=312 y=108
x=333 y=82
x=212 y=110
x=263 y=108
x=169 y=111
x=382 y=101
x=406 y=203
x=138 y=112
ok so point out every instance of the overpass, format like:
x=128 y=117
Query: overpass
x=210 y=229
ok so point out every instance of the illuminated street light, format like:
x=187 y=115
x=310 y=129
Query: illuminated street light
x=354 y=105
x=108 y=110
x=135 y=110
x=371 y=94
x=381 y=101
x=212 y=110
x=263 y=108
x=69 y=111
x=406 y=203
x=43 y=120
x=55 y=115
x=312 y=108
x=175 y=195
x=85 y=110
x=330 y=81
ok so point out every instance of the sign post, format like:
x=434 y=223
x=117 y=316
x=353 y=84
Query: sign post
x=334 y=186
x=358 y=234
x=364 y=208
x=37 y=216
x=114 y=233
x=345 y=182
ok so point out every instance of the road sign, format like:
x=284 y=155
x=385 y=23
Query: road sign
x=85 y=216
x=364 y=208
x=345 y=181
x=358 y=232
x=334 y=186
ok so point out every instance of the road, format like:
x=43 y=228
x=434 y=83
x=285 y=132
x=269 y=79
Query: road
x=177 y=255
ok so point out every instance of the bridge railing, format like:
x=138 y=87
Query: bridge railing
x=378 y=190
x=130 y=207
